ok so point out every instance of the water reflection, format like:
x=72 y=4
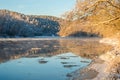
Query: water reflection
x=46 y=59
x=39 y=68
x=47 y=48
x=42 y=61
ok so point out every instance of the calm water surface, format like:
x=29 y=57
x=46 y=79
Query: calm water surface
x=45 y=59
x=56 y=68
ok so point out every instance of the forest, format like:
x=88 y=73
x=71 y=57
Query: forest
x=93 y=17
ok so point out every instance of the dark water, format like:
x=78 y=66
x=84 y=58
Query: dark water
x=45 y=59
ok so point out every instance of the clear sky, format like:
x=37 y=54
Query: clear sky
x=38 y=7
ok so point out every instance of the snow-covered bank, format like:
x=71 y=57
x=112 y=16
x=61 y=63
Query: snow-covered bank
x=112 y=59
x=105 y=67
x=114 y=41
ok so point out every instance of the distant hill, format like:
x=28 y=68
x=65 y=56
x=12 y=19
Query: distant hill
x=13 y=24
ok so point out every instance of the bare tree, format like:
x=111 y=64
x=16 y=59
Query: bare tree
x=99 y=16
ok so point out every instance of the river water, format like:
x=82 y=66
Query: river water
x=46 y=58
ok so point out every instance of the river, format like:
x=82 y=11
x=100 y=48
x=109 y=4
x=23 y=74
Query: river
x=46 y=58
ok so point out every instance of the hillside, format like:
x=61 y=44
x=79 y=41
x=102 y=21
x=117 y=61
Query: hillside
x=93 y=18
x=16 y=24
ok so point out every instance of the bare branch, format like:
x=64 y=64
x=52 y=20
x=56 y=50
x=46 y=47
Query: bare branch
x=100 y=1
x=113 y=5
x=108 y=21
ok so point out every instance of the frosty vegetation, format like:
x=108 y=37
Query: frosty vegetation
x=100 y=17
x=13 y=24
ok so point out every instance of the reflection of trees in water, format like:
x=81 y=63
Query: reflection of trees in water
x=48 y=48
x=34 y=48
x=87 y=48
x=16 y=49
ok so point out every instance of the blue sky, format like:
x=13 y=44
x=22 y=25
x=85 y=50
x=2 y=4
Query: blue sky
x=38 y=7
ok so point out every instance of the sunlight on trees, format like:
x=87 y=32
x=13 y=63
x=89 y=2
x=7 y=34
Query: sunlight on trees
x=101 y=17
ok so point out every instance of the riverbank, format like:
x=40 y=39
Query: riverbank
x=104 y=67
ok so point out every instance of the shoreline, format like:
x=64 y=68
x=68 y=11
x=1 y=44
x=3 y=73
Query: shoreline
x=104 y=67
